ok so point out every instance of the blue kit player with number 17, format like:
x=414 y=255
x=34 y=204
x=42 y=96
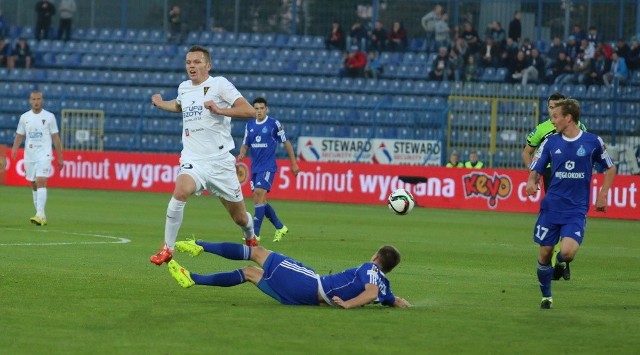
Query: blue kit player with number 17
x=563 y=211
x=263 y=135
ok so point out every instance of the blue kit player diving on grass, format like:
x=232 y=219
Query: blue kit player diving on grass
x=262 y=136
x=292 y=283
x=563 y=211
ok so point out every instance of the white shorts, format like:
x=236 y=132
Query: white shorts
x=216 y=176
x=36 y=169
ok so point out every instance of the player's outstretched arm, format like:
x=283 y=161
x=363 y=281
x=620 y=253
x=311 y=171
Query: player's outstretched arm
x=601 y=200
x=401 y=303
x=171 y=106
x=367 y=296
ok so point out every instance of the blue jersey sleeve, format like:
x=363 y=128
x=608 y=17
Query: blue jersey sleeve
x=601 y=156
x=278 y=133
x=371 y=274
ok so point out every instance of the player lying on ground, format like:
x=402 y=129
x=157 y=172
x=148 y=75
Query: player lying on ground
x=290 y=282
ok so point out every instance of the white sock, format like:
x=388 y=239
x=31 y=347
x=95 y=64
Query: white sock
x=34 y=193
x=175 y=211
x=248 y=229
x=41 y=201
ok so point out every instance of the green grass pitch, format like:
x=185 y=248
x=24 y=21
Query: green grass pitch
x=73 y=288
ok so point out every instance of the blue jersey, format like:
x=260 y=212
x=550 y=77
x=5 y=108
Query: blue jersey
x=351 y=282
x=263 y=139
x=571 y=167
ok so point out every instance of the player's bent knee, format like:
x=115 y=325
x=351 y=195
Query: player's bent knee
x=252 y=274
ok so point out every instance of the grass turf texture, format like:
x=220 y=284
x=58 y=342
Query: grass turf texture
x=470 y=275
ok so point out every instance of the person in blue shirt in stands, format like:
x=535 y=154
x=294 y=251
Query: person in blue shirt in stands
x=563 y=211
x=291 y=282
x=262 y=135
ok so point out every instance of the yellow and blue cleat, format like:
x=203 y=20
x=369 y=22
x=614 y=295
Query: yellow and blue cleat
x=280 y=233
x=182 y=275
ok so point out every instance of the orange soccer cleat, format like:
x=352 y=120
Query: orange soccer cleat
x=164 y=256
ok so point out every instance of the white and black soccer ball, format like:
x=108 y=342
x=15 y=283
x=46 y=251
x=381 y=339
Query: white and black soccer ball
x=401 y=201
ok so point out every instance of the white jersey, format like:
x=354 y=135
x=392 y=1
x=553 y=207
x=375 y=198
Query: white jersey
x=37 y=129
x=205 y=135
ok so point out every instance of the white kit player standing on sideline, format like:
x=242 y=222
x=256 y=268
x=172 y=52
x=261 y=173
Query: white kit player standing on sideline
x=207 y=105
x=40 y=129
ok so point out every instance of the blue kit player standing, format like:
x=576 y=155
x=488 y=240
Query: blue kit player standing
x=292 y=283
x=262 y=136
x=563 y=211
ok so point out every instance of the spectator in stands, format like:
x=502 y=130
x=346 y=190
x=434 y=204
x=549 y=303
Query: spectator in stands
x=562 y=67
x=470 y=35
x=518 y=68
x=526 y=47
x=358 y=35
x=605 y=49
x=6 y=58
x=354 y=64
x=497 y=33
x=555 y=48
x=599 y=68
x=578 y=33
x=378 y=37
x=581 y=69
x=593 y=37
x=510 y=53
x=490 y=54
x=515 y=27
x=440 y=70
x=336 y=39
x=4 y=26
x=456 y=63
x=22 y=57
x=634 y=55
x=589 y=51
x=536 y=68
x=66 y=10
x=454 y=161
x=471 y=69
x=442 y=35
x=461 y=47
x=177 y=25
x=623 y=50
x=572 y=48
x=619 y=71
x=398 y=39
x=374 y=67
x=473 y=162
x=44 y=12
x=429 y=24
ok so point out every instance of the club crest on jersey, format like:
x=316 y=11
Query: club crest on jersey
x=264 y=129
x=43 y=122
x=186 y=132
x=569 y=165
x=206 y=89
x=581 y=152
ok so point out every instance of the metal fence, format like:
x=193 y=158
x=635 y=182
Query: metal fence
x=541 y=19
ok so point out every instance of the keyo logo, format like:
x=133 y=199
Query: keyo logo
x=484 y=186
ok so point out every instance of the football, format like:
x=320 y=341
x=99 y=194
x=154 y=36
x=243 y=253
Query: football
x=401 y=201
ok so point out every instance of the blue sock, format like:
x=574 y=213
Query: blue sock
x=271 y=214
x=222 y=279
x=258 y=217
x=545 y=274
x=231 y=251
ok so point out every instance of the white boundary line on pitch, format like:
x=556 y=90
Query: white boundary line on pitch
x=117 y=240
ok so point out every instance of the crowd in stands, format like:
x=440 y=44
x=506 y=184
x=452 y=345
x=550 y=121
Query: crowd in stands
x=462 y=54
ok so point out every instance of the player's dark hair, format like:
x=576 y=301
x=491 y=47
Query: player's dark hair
x=388 y=258
x=260 y=100
x=207 y=55
x=570 y=106
x=555 y=96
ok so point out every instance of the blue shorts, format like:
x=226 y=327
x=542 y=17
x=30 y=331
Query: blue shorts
x=551 y=226
x=262 y=180
x=288 y=281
